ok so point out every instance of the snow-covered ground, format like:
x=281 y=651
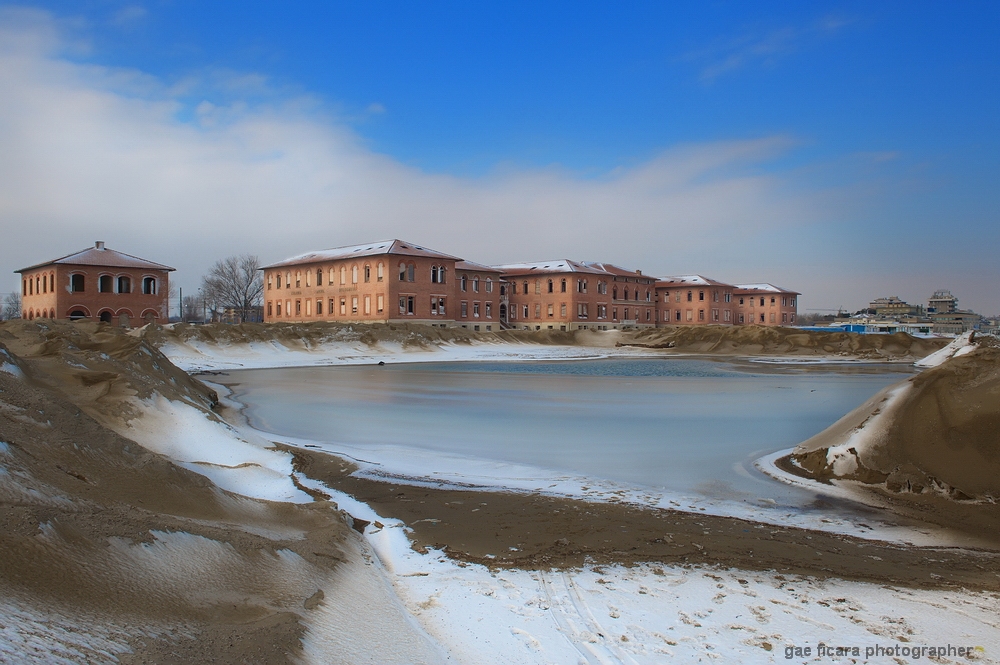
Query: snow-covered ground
x=610 y=614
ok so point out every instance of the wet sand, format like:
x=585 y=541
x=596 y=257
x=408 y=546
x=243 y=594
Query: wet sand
x=533 y=531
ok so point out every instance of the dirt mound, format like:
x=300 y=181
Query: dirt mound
x=763 y=340
x=932 y=441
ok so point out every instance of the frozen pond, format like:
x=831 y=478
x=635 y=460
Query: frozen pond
x=690 y=426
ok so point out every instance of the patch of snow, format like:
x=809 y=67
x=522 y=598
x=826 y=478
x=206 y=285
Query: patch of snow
x=958 y=347
x=236 y=462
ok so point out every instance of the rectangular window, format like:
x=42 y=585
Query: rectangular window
x=701 y=315
x=772 y=317
x=465 y=309
x=441 y=306
x=614 y=313
x=538 y=287
x=727 y=316
x=581 y=310
x=742 y=320
x=308 y=279
x=538 y=310
x=343 y=306
x=270 y=308
x=784 y=317
x=602 y=311
x=525 y=312
x=562 y=310
x=298 y=308
x=277 y=310
x=380 y=302
x=729 y=297
x=319 y=308
x=551 y=310
x=288 y=308
x=701 y=295
x=330 y=310
x=715 y=315
x=715 y=296
x=368 y=303
x=475 y=310
x=434 y=306
x=354 y=304
x=489 y=311
x=308 y=306
x=689 y=315
x=677 y=315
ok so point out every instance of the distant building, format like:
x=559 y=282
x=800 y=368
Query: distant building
x=892 y=306
x=765 y=305
x=96 y=283
x=695 y=300
x=391 y=281
x=575 y=295
x=942 y=302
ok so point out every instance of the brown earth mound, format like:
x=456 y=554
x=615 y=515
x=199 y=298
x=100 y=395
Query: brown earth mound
x=89 y=520
x=936 y=443
x=762 y=340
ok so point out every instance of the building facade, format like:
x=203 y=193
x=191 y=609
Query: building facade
x=691 y=300
x=575 y=295
x=96 y=283
x=392 y=281
x=765 y=305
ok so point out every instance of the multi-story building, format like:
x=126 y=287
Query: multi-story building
x=393 y=281
x=96 y=283
x=694 y=300
x=942 y=302
x=894 y=307
x=571 y=295
x=765 y=305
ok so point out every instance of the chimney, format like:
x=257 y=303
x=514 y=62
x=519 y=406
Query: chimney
x=638 y=272
x=99 y=244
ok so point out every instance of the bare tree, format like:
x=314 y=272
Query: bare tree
x=12 y=306
x=235 y=282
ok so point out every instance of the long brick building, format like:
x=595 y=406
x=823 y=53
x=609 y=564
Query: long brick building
x=398 y=281
x=391 y=281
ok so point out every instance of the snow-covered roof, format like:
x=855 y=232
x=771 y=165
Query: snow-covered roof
x=475 y=267
x=566 y=265
x=765 y=287
x=99 y=255
x=397 y=247
x=691 y=280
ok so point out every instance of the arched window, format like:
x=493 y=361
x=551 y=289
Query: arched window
x=354 y=274
x=434 y=274
x=475 y=284
x=319 y=277
x=76 y=283
x=402 y=272
x=343 y=275
x=24 y=288
x=298 y=279
x=288 y=279
x=270 y=281
x=149 y=286
x=465 y=282
x=124 y=284
x=441 y=278
x=368 y=273
x=614 y=293
x=410 y=272
x=277 y=279
x=378 y=271
x=31 y=286
x=308 y=277
x=551 y=286
x=489 y=285
x=524 y=286
x=562 y=286
x=105 y=284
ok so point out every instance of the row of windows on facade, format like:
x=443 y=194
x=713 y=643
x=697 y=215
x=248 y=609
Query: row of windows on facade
x=407 y=273
x=407 y=306
x=582 y=312
x=581 y=287
x=689 y=315
x=77 y=284
x=106 y=315
x=727 y=297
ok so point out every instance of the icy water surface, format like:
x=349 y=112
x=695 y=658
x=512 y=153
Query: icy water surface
x=685 y=425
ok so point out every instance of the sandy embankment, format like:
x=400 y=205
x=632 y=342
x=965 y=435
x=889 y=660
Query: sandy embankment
x=783 y=342
x=110 y=551
x=928 y=447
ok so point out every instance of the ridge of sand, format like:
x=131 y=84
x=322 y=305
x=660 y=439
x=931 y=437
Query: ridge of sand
x=930 y=445
x=109 y=548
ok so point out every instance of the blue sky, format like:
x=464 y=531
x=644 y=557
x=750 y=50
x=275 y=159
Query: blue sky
x=846 y=150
